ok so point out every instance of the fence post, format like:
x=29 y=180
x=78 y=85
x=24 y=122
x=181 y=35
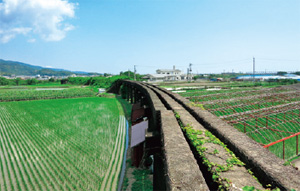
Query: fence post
x=297 y=145
x=293 y=115
x=256 y=122
x=283 y=149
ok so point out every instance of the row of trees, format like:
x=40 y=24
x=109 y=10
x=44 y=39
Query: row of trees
x=282 y=73
x=100 y=81
x=19 y=81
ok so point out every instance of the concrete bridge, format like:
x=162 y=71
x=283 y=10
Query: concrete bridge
x=179 y=164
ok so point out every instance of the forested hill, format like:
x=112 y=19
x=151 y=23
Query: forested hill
x=19 y=68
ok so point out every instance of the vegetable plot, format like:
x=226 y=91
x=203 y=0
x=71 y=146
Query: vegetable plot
x=265 y=115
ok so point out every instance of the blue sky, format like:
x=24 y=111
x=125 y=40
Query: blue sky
x=112 y=36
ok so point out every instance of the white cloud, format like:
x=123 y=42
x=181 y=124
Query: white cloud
x=45 y=18
x=7 y=34
x=6 y=38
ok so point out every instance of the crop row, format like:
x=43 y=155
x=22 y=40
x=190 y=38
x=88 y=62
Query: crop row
x=111 y=179
x=277 y=126
x=236 y=94
x=40 y=152
x=265 y=115
x=205 y=92
x=19 y=95
x=254 y=104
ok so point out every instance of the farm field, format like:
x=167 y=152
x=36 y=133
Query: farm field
x=61 y=144
x=225 y=84
x=264 y=114
x=35 y=93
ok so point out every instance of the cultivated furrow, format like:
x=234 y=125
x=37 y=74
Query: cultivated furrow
x=120 y=156
x=107 y=181
x=34 y=166
x=4 y=167
x=82 y=175
x=16 y=139
x=14 y=175
x=46 y=157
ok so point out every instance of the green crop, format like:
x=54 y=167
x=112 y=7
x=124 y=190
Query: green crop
x=264 y=114
x=61 y=144
x=31 y=94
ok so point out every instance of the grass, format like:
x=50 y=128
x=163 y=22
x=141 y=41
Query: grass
x=61 y=144
x=142 y=182
x=127 y=107
x=294 y=158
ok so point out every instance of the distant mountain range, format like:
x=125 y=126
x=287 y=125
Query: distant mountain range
x=8 y=68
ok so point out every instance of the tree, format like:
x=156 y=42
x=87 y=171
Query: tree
x=64 y=81
x=51 y=80
x=281 y=73
x=127 y=73
x=106 y=74
x=3 y=81
x=32 y=81
x=17 y=81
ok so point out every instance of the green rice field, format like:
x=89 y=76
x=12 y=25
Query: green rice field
x=61 y=144
x=22 y=94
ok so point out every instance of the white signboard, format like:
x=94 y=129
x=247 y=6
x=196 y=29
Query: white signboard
x=138 y=132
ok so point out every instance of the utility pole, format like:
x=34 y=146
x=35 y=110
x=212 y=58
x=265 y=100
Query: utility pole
x=128 y=73
x=253 y=69
x=187 y=77
x=190 y=71
x=134 y=72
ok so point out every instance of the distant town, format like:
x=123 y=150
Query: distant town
x=17 y=70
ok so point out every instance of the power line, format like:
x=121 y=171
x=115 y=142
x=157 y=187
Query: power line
x=153 y=66
x=202 y=64
x=221 y=63
x=279 y=60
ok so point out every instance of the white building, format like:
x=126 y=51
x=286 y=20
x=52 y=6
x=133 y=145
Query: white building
x=167 y=75
x=269 y=77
